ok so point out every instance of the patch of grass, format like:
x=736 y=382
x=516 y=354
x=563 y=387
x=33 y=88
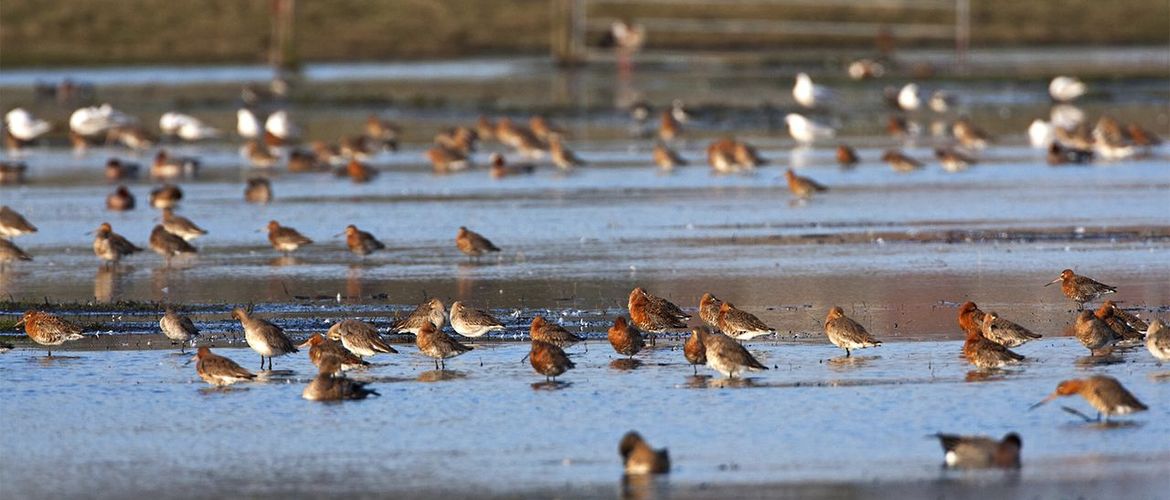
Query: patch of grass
x=59 y=32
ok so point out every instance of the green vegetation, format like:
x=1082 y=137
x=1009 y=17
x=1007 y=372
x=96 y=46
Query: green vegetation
x=58 y=32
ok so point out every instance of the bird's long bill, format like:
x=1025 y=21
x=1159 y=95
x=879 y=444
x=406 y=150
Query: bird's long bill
x=338 y=235
x=193 y=358
x=304 y=345
x=1053 y=281
x=1045 y=400
x=18 y=323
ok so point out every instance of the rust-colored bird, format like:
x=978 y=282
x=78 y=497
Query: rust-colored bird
x=1127 y=317
x=802 y=187
x=180 y=226
x=639 y=458
x=117 y=170
x=846 y=156
x=551 y=333
x=1002 y=331
x=431 y=312
x=267 y=339
x=625 y=339
x=1094 y=334
x=168 y=245
x=653 y=314
x=328 y=387
x=359 y=172
x=48 y=330
x=165 y=196
x=847 y=334
x=548 y=359
x=322 y=349
x=12 y=224
x=360 y=242
x=120 y=200
x=984 y=353
x=500 y=169
x=981 y=452
x=444 y=160
x=667 y=158
x=1123 y=334
x=438 y=345
x=709 y=307
x=285 y=239
x=258 y=190
x=725 y=355
x=109 y=246
x=668 y=127
x=1059 y=154
x=694 y=350
x=953 y=160
x=969 y=135
x=563 y=157
x=359 y=337
x=472 y=243
x=1102 y=392
x=177 y=327
x=740 y=324
x=543 y=129
x=218 y=370
x=1081 y=289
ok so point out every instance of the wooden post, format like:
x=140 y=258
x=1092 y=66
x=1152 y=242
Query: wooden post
x=962 y=33
x=567 y=32
x=281 y=51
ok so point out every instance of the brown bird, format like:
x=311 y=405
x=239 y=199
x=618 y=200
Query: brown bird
x=267 y=339
x=13 y=172
x=969 y=135
x=166 y=167
x=747 y=156
x=846 y=156
x=740 y=324
x=12 y=224
x=383 y=133
x=48 y=330
x=563 y=157
x=1094 y=334
x=445 y=160
x=668 y=127
x=1059 y=154
x=9 y=252
x=900 y=162
x=472 y=243
x=1081 y=289
x=168 y=245
x=543 y=129
x=625 y=339
x=654 y=314
x=120 y=200
x=667 y=158
x=847 y=334
x=1129 y=318
x=359 y=337
x=1123 y=334
x=639 y=458
x=549 y=360
x=1102 y=392
x=180 y=226
x=109 y=246
x=327 y=387
x=117 y=170
x=694 y=350
x=321 y=349
x=984 y=353
x=361 y=242
x=218 y=370
x=431 y=312
x=952 y=160
x=981 y=452
x=285 y=239
x=485 y=128
x=359 y=172
x=1002 y=331
x=551 y=333
x=500 y=169
x=721 y=156
x=177 y=327
x=802 y=187
x=725 y=355
x=165 y=196
x=470 y=322
x=438 y=345
x=259 y=154
x=709 y=310
x=258 y=190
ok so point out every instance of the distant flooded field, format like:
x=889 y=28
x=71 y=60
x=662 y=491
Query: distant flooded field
x=898 y=252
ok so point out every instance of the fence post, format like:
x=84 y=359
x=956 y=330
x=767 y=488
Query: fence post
x=962 y=33
x=567 y=31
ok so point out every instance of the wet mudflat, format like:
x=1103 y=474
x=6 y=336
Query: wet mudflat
x=141 y=421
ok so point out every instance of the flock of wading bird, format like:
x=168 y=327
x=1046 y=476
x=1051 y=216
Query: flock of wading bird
x=989 y=338
x=1066 y=137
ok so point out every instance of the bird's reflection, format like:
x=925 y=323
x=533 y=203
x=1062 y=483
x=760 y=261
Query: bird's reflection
x=440 y=375
x=551 y=385
x=846 y=363
x=284 y=261
x=625 y=364
x=644 y=486
x=1095 y=361
x=109 y=282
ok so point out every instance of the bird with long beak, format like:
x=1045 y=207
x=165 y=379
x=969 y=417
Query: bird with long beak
x=1081 y=289
x=1102 y=392
x=48 y=330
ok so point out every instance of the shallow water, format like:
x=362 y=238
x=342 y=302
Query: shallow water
x=491 y=425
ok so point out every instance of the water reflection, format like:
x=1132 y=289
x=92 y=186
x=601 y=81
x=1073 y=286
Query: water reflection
x=284 y=260
x=551 y=385
x=625 y=364
x=216 y=390
x=989 y=375
x=108 y=282
x=846 y=363
x=440 y=375
x=644 y=486
x=1096 y=361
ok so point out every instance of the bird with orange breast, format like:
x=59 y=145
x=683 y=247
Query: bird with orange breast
x=693 y=349
x=120 y=200
x=552 y=333
x=436 y=344
x=48 y=329
x=327 y=386
x=1104 y=393
x=109 y=246
x=669 y=128
x=983 y=353
x=654 y=314
x=1081 y=289
x=500 y=168
x=218 y=370
x=847 y=334
x=359 y=172
x=625 y=339
x=286 y=239
x=667 y=158
x=639 y=458
x=563 y=157
x=360 y=242
x=846 y=156
x=740 y=324
x=473 y=244
x=549 y=360
x=801 y=186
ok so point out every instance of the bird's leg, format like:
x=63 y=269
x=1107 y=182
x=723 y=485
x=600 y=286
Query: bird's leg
x=696 y=369
x=261 y=362
x=847 y=353
x=50 y=354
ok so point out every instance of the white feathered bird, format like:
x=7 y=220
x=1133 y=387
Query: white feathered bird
x=1066 y=88
x=247 y=125
x=279 y=125
x=96 y=120
x=24 y=126
x=908 y=98
x=186 y=127
x=1040 y=134
x=805 y=130
x=809 y=94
